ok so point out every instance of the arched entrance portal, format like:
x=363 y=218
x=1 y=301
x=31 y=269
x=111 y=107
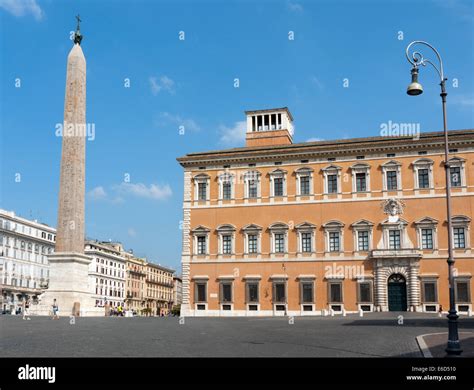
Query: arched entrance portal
x=397 y=293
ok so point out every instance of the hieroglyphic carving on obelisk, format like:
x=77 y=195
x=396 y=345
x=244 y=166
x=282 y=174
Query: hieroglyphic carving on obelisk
x=70 y=229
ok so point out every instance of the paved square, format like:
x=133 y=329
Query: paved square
x=374 y=335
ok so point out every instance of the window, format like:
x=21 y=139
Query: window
x=252 y=184
x=426 y=238
x=227 y=244
x=201 y=187
x=455 y=176
x=332 y=179
x=429 y=292
x=226 y=238
x=457 y=172
x=332 y=184
x=304 y=180
x=278 y=186
x=225 y=292
x=423 y=173
x=426 y=233
x=201 y=245
x=333 y=231
x=201 y=292
x=202 y=191
x=394 y=239
x=462 y=291
x=361 y=182
x=307 y=292
x=278 y=182
x=365 y=292
x=279 y=242
x=226 y=181
x=335 y=292
x=363 y=240
x=226 y=190
x=459 y=238
x=392 y=180
x=252 y=243
x=252 y=292
x=304 y=185
x=423 y=178
x=306 y=244
x=279 y=292
x=334 y=244
x=253 y=188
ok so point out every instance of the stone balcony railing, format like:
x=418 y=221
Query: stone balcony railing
x=396 y=253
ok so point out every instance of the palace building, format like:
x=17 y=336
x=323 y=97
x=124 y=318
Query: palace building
x=107 y=272
x=283 y=228
x=24 y=269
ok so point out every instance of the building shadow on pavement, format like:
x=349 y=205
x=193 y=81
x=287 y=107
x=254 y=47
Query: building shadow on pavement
x=464 y=323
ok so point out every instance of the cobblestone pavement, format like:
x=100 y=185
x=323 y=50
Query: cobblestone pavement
x=374 y=335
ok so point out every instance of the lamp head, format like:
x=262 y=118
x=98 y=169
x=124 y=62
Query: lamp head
x=415 y=87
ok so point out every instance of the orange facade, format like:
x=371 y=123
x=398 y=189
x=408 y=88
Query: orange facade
x=337 y=226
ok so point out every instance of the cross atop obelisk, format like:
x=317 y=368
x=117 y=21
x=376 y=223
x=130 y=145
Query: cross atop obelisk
x=77 y=34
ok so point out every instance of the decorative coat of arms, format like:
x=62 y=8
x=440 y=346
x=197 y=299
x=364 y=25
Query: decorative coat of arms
x=394 y=208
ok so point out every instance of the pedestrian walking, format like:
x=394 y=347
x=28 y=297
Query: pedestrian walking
x=55 y=310
x=26 y=309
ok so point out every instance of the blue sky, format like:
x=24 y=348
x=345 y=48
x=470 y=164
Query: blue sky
x=191 y=83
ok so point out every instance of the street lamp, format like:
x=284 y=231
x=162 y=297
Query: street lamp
x=416 y=59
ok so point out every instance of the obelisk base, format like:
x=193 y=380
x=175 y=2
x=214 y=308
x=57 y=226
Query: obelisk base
x=69 y=285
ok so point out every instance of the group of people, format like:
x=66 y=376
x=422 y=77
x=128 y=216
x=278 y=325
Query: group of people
x=113 y=311
x=109 y=310
x=26 y=310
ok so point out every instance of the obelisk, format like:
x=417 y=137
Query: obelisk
x=70 y=227
x=68 y=274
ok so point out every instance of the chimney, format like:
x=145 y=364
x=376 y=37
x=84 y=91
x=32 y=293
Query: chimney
x=269 y=127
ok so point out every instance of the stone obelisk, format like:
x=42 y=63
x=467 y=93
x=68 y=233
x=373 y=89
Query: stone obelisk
x=68 y=275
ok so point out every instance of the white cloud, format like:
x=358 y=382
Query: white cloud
x=131 y=232
x=21 y=8
x=295 y=7
x=314 y=139
x=165 y=118
x=153 y=191
x=97 y=193
x=164 y=83
x=235 y=135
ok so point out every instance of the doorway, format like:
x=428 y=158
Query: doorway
x=397 y=293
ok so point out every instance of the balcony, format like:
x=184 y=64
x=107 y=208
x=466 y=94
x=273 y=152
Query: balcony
x=402 y=253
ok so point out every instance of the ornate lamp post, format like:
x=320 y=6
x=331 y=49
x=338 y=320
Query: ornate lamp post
x=416 y=59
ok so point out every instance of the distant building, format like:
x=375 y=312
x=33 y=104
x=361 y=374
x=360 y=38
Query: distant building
x=135 y=283
x=24 y=268
x=159 y=288
x=177 y=290
x=106 y=272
